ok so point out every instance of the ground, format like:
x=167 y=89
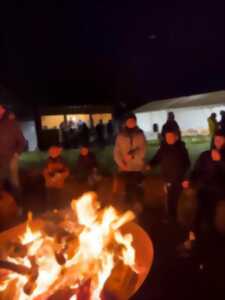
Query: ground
x=171 y=277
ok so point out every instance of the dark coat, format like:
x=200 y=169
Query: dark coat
x=11 y=140
x=174 y=161
x=207 y=172
x=85 y=165
x=222 y=124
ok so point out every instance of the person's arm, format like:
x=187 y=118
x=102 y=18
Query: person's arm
x=46 y=174
x=142 y=146
x=117 y=154
x=196 y=174
x=65 y=172
x=163 y=130
x=155 y=161
x=186 y=157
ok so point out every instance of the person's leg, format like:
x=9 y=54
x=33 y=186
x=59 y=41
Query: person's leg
x=14 y=172
x=173 y=194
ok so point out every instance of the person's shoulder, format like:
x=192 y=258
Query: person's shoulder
x=121 y=134
x=139 y=131
x=181 y=144
x=205 y=155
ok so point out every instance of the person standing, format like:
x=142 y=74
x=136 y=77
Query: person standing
x=100 y=133
x=110 y=131
x=222 y=121
x=213 y=126
x=55 y=174
x=171 y=125
x=174 y=162
x=12 y=144
x=129 y=155
x=208 y=177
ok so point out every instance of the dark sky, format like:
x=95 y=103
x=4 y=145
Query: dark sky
x=103 y=51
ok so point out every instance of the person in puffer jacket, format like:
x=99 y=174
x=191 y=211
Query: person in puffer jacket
x=129 y=156
x=130 y=147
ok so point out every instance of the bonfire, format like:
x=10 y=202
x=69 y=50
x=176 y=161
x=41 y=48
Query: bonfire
x=80 y=253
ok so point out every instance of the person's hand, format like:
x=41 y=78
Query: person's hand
x=186 y=184
x=216 y=156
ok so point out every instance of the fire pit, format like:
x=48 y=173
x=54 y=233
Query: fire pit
x=83 y=253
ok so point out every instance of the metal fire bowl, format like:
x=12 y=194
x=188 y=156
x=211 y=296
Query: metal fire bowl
x=144 y=252
x=142 y=244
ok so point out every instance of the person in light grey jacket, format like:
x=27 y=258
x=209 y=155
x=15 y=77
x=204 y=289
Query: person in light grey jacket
x=130 y=147
x=129 y=156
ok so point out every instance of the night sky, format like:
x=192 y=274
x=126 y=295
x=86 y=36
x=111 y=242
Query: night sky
x=83 y=51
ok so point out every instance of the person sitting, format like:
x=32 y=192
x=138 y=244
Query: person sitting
x=86 y=168
x=9 y=211
x=55 y=173
x=174 y=162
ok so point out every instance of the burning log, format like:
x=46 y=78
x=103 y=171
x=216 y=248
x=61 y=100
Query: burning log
x=31 y=284
x=88 y=253
x=13 y=249
x=20 y=269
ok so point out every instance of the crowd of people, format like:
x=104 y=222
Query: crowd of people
x=206 y=178
x=73 y=134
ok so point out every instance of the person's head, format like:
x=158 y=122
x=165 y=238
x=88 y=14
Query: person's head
x=170 y=116
x=84 y=150
x=213 y=116
x=2 y=111
x=130 y=121
x=222 y=113
x=219 y=140
x=171 y=137
x=54 y=151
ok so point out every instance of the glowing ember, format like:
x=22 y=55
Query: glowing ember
x=84 y=255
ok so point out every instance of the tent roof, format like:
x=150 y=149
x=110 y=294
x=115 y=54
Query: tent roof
x=213 y=98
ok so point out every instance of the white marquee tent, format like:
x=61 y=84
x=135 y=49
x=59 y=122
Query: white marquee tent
x=191 y=113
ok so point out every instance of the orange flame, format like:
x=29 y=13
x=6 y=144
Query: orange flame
x=94 y=258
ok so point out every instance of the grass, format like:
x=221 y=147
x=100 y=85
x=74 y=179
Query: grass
x=36 y=159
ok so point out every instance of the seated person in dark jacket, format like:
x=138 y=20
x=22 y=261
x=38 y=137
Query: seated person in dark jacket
x=86 y=168
x=174 y=162
x=208 y=177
